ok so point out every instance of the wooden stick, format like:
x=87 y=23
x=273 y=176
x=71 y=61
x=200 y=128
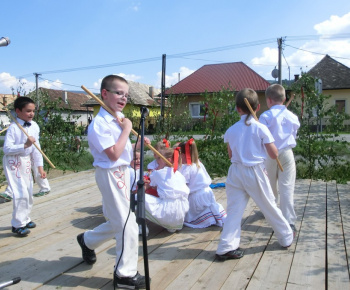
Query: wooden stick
x=132 y=130
x=4 y=130
x=256 y=119
x=25 y=132
x=290 y=100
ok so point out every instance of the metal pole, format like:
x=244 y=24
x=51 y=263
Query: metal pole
x=163 y=86
x=279 y=42
x=36 y=89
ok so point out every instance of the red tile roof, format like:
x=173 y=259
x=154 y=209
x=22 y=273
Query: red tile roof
x=213 y=77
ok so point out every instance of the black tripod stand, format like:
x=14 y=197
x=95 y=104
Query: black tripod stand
x=140 y=209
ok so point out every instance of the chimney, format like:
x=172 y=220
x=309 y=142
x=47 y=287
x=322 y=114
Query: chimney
x=4 y=101
x=296 y=77
x=151 y=92
x=64 y=97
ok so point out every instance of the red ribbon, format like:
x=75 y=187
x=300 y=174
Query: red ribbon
x=188 y=151
x=176 y=158
x=166 y=142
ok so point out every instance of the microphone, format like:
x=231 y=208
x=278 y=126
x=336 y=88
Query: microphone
x=144 y=112
x=9 y=283
x=4 y=41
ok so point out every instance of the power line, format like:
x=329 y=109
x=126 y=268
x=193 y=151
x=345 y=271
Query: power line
x=313 y=52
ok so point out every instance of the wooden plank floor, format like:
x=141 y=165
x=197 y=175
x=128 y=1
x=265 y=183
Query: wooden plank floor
x=50 y=258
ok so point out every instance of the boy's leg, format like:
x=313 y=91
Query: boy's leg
x=18 y=174
x=115 y=189
x=237 y=201
x=286 y=184
x=261 y=192
x=43 y=183
x=272 y=172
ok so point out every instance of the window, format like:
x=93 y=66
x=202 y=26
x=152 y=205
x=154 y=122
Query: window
x=197 y=110
x=340 y=105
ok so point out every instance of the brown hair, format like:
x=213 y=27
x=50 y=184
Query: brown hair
x=252 y=98
x=108 y=80
x=276 y=92
x=169 y=153
x=193 y=151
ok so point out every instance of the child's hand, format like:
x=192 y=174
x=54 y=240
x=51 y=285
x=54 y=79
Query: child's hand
x=125 y=124
x=42 y=172
x=29 y=142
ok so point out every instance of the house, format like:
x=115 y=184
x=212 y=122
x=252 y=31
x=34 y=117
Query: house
x=335 y=79
x=212 y=78
x=71 y=101
x=5 y=99
x=141 y=95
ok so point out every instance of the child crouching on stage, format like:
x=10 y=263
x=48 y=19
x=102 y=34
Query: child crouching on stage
x=204 y=210
x=17 y=164
x=159 y=146
x=169 y=209
x=248 y=141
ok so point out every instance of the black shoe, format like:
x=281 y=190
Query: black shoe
x=22 y=232
x=136 y=282
x=235 y=254
x=294 y=230
x=89 y=256
x=30 y=225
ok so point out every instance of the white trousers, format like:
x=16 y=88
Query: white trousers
x=244 y=182
x=17 y=170
x=43 y=183
x=114 y=185
x=283 y=182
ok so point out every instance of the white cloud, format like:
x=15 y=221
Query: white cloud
x=128 y=77
x=10 y=83
x=172 y=79
x=334 y=25
x=311 y=52
x=135 y=6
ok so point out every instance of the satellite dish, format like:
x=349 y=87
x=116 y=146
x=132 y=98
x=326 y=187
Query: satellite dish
x=274 y=73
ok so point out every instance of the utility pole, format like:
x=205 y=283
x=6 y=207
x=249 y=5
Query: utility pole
x=163 y=88
x=279 y=42
x=36 y=89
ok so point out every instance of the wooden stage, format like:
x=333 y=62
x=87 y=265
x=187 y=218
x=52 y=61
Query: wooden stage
x=50 y=258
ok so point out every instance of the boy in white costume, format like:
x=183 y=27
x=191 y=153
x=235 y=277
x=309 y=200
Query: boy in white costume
x=204 y=211
x=17 y=164
x=109 y=142
x=283 y=125
x=248 y=141
x=169 y=209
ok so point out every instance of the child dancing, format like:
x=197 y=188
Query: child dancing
x=169 y=209
x=248 y=141
x=17 y=164
x=204 y=211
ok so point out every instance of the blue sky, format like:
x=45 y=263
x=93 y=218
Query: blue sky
x=74 y=43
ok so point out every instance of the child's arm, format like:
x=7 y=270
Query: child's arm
x=271 y=150
x=117 y=149
x=229 y=151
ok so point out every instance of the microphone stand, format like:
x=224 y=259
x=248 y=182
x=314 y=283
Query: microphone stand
x=140 y=215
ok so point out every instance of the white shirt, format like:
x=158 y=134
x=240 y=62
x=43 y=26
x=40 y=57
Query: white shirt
x=283 y=125
x=170 y=184
x=103 y=133
x=15 y=139
x=247 y=142
x=196 y=178
x=152 y=165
